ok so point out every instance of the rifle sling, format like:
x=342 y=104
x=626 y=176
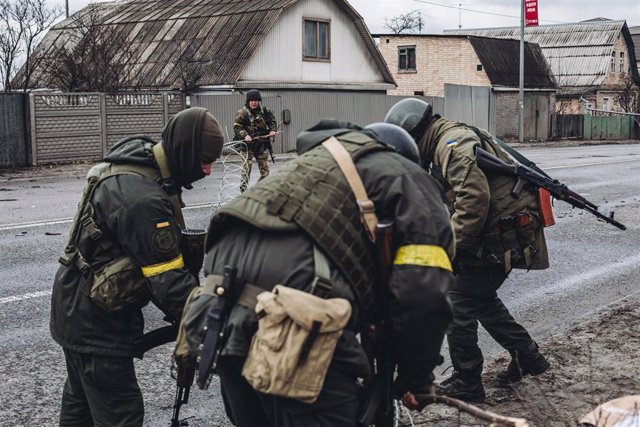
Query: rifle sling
x=165 y=173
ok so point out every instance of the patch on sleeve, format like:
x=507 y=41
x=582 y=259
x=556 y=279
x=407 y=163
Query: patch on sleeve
x=452 y=142
x=164 y=240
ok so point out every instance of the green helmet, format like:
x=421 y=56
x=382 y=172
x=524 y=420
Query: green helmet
x=411 y=114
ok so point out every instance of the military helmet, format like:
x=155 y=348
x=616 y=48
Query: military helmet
x=412 y=114
x=396 y=137
x=254 y=95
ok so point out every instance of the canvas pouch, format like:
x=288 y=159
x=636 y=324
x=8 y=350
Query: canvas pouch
x=296 y=338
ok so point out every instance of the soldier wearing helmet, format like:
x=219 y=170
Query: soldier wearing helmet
x=255 y=125
x=494 y=233
x=310 y=205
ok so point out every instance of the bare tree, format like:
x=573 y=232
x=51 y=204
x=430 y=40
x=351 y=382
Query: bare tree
x=22 y=23
x=190 y=69
x=89 y=57
x=629 y=98
x=405 y=23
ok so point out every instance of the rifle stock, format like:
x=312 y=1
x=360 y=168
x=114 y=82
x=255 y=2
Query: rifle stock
x=524 y=175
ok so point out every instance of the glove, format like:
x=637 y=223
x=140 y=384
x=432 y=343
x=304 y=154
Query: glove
x=417 y=402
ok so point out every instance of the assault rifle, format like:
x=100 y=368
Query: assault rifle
x=527 y=176
x=192 y=248
x=377 y=406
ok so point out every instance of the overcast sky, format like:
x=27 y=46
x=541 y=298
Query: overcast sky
x=447 y=14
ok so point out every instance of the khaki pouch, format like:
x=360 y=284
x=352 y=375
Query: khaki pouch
x=296 y=338
x=119 y=285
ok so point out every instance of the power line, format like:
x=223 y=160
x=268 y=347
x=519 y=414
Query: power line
x=479 y=11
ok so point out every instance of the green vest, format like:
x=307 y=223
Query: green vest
x=311 y=193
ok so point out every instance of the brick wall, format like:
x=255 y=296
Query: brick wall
x=507 y=121
x=439 y=60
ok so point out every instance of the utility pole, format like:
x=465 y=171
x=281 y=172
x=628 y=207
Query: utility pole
x=66 y=7
x=459 y=16
x=521 y=101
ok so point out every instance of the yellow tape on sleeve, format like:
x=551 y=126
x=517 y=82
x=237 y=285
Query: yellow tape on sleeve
x=423 y=256
x=154 y=270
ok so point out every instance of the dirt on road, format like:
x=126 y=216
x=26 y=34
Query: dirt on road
x=597 y=361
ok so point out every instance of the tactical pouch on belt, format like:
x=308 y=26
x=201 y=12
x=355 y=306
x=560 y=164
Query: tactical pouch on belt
x=119 y=285
x=512 y=241
x=296 y=338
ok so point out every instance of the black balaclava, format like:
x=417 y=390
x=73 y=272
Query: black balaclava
x=182 y=143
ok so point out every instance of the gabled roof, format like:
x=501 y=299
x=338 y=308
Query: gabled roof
x=222 y=33
x=578 y=54
x=501 y=61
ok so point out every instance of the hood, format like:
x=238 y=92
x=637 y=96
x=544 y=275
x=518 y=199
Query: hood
x=308 y=139
x=136 y=149
x=182 y=143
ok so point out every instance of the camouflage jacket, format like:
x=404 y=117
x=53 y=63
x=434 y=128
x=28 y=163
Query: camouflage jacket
x=253 y=122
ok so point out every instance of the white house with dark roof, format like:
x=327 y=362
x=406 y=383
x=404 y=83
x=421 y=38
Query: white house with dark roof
x=589 y=59
x=265 y=44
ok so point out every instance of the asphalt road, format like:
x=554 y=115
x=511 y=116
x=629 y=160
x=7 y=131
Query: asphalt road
x=593 y=265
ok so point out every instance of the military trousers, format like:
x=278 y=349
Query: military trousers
x=474 y=298
x=100 y=391
x=336 y=406
x=247 y=161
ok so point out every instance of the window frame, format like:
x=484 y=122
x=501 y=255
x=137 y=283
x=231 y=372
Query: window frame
x=408 y=69
x=317 y=22
x=612 y=64
x=622 y=70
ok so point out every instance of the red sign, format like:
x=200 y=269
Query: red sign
x=531 y=13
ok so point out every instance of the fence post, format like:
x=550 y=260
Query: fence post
x=165 y=107
x=33 y=136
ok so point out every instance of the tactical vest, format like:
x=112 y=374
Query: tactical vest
x=118 y=284
x=312 y=194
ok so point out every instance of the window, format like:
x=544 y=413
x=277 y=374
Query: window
x=622 y=62
x=612 y=67
x=407 y=58
x=316 y=40
x=418 y=93
x=605 y=104
x=479 y=67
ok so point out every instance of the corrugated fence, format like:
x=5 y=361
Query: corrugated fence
x=303 y=109
x=13 y=130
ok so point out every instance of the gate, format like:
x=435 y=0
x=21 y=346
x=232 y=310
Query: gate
x=13 y=131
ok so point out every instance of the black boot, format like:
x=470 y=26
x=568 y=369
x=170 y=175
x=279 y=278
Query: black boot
x=463 y=387
x=529 y=363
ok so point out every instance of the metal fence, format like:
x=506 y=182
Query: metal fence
x=83 y=126
x=567 y=126
x=473 y=105
x=300 y=110
x=13 y=130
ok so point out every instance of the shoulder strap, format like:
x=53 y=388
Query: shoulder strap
x=165 y=173
x=348 y=168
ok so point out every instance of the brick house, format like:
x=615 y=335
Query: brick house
x=591 y=60
x=426 y=64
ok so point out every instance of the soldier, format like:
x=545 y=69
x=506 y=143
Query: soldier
x=494 y=233
x=309 y=212
x=256 y=126
x=123 y=251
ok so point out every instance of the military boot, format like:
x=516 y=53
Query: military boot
x=463 y=387
x=523 y=363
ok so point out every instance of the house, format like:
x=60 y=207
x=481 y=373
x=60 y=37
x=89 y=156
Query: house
x=427 y=64
x=591 y=60
x=311 y=59
x=635 y=36
x=228 y=45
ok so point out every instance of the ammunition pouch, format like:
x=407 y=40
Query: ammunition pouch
x=296 y=338
x=512 y=241
x=119 y=285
